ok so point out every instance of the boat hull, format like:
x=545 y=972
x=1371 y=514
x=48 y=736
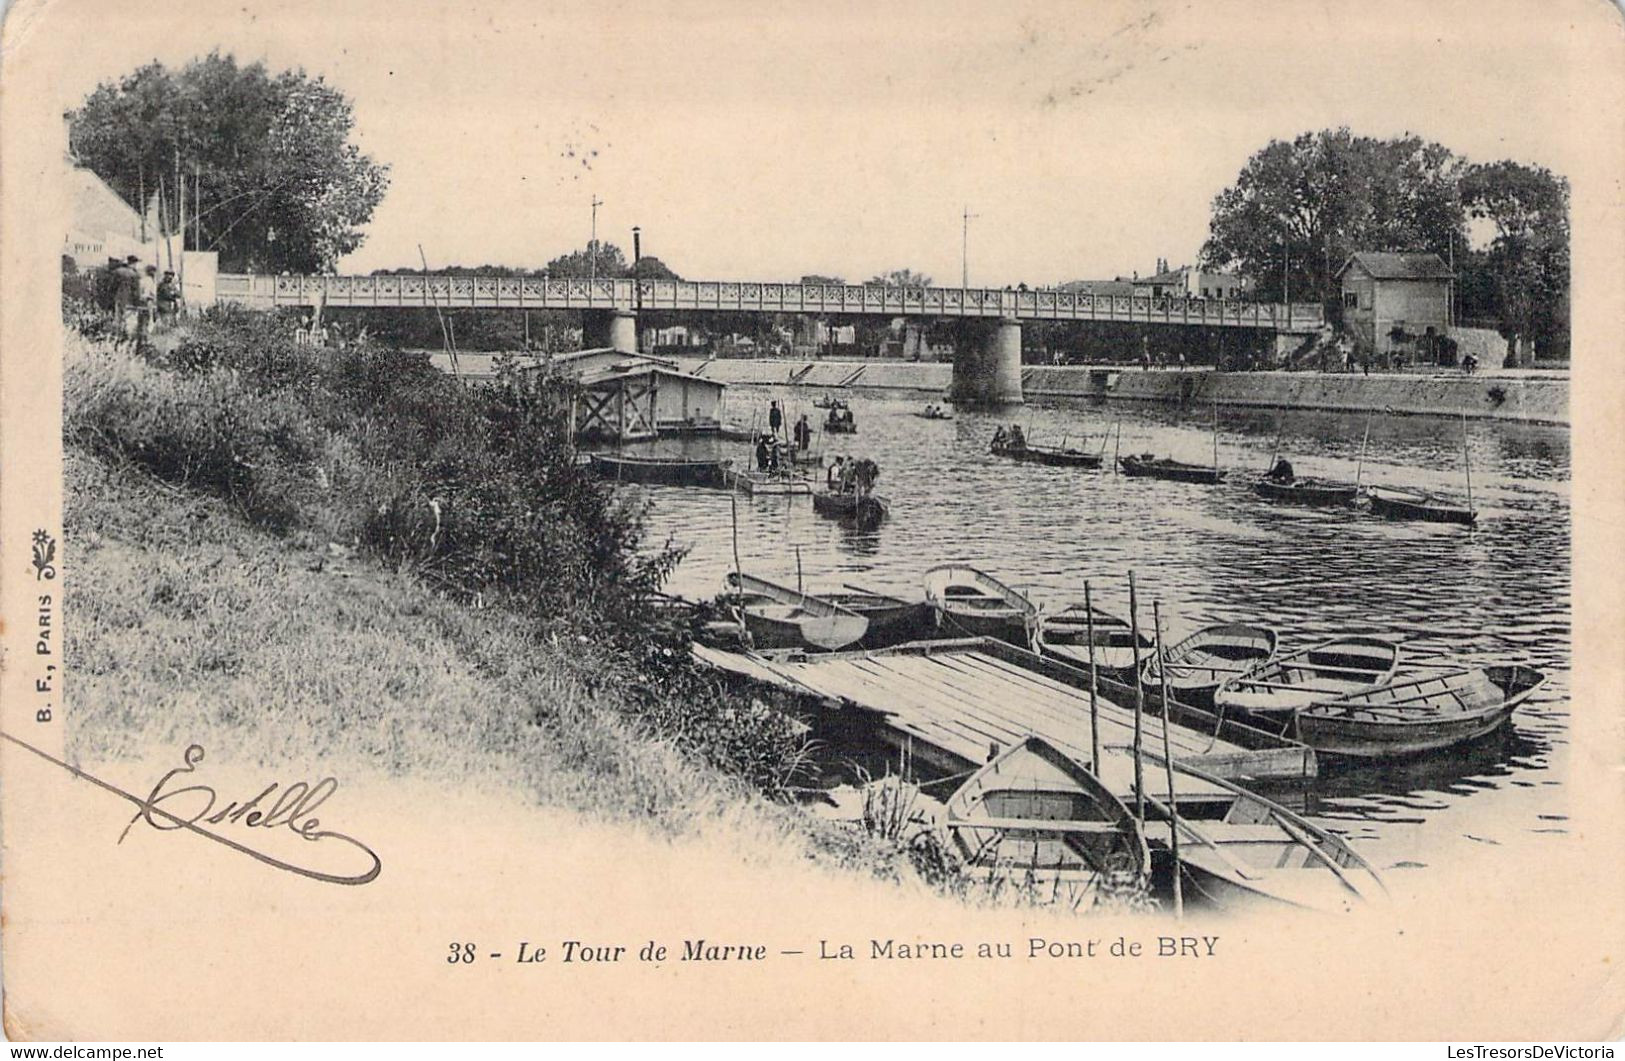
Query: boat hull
x=656 y=471
x=1054 y=457
x=867 y=511
x=1404 y=505
x=1171 y=470
x=1317 y=493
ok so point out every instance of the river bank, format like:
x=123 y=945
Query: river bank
x=1526 y=396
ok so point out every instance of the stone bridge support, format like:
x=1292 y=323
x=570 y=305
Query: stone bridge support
x=614 y=328
x=987 y=362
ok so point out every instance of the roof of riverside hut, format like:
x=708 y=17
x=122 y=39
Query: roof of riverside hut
x=1383 y=265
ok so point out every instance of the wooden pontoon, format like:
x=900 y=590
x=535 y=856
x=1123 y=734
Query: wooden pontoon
x=949 y=702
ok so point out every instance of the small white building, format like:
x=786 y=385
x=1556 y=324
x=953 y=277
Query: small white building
x=630 y=397
x=1190 y=282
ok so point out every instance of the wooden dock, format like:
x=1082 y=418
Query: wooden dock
x=951 y=702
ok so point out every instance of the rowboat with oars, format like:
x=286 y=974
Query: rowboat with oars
x=1418 y=713
x=971 y=603
x=1146 y=466
x=1393 y=502
x=780 y=617
x=1308 y=490
x=1341 y=666
x=1065 y=635
x=1205 y=660
x=1035 y=820
x=892 y=620
x=1260 y=854
x=671 y=471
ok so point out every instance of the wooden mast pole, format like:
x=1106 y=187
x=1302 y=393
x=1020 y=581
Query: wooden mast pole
x=1168 y=763
x=1139 y=704
x=1359 y=469
x=1467 y=462
x=1094 y=686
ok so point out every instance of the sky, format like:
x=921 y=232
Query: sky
x=765 y=141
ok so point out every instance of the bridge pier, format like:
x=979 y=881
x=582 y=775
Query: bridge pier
x=987 y=362
x=614 y=328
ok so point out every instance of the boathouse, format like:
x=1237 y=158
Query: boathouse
x=1396 y=302
x=631 y=397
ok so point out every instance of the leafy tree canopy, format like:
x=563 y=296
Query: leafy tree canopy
x=280 y=185
x=899 y=278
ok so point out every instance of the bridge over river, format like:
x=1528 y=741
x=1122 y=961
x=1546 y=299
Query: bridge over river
x=989 y=371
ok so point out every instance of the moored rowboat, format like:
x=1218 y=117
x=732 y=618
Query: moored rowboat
x=1419 y=714
x=1065 y=635
x=1205 y=660
x=1055 y=456
x=971 y=603
x=780 y=617
x=1338 y=667
x=1034 y=819
x=892 y=620
x=1149 y=467
x=1262 y=854
x=674 y=471
x=1324 y=493
x=1399 y=503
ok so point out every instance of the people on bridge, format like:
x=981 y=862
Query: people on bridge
x=1281 y=472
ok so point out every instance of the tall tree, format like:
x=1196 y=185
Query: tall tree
x=280 y=185
x=1299 y=208
x=1525 y=270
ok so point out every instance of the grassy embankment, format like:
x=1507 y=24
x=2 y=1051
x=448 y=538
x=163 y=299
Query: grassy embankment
x=313 y=557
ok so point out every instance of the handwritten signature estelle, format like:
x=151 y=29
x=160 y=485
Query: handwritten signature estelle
x=277 y=806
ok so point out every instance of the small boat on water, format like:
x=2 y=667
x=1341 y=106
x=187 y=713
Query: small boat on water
x=865 y=510
x=1065 y=635
x=1260 y=854
x=1199 y=664
x=934 y=412
x=1037 y=821
x=892 y=620
x=970 y=603
x=767 y=484
x=1324 y=493
x=1392 y=502
x=1421 y=713
x=1339 y=667
x=1056 y=456
x=1150 y=467
x=673 y=471
x=827 y=402
x=780 y=617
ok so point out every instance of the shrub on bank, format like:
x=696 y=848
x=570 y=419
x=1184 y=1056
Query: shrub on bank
x=475 y=489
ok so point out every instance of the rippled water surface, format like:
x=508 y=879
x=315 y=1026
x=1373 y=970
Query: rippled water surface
x=1500 y=593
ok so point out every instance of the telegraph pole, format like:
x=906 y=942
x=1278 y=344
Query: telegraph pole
x=964 y=248
x=592 y=244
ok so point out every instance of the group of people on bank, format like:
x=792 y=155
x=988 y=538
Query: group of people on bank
x=139 y=297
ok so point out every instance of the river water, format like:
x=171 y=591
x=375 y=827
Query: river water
x=1498 y=593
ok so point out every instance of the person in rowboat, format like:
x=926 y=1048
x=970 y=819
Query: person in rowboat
x=1282 y=472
